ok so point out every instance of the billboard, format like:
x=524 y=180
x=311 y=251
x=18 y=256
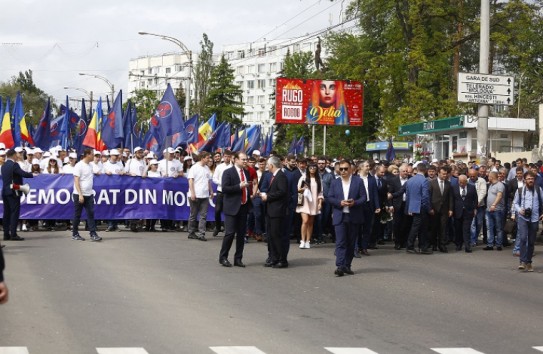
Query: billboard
x=325 y=102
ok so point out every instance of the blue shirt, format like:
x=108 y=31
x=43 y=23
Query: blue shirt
x=529 y=199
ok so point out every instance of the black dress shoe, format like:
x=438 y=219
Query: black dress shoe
x=468 y=250
x=7 y=238
x=215 y=233
x=239 y=264
x=280 y=265
x=17 y=238
x=411 y=250
x=426 y=251
x=225 y=263
x=458 y=248
x=339 y=272
x=443 y=249
x=268 y=264
x=488 y=248
x=347 y=270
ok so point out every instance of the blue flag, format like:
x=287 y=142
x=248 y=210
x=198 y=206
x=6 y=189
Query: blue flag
x=253 y=135
x=240 y=143
x=190 y=133
x=17 y=115
x=223 y=141
x=292 y=147
x=42 y=135
x=168 y=118
x=391 y=153
x=112 y=126
x=269 y=144
x=128 y=126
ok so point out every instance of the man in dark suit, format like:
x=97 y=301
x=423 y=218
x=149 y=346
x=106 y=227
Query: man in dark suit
x=417 y=204
x=402 y=221
x=441 y=208
x=277 y=201
x=347 y=196
x=370 y=207
x=12 y=174
x=236 y=191
x=465 y=208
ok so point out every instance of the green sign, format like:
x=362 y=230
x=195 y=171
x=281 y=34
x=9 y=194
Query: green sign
x=432 y=126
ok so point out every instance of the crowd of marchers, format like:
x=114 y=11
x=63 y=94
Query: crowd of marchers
x=422 y=207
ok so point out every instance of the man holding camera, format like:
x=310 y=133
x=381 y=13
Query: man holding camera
x=12 y=178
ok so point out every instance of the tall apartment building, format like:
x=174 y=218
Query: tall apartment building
x=256 y=66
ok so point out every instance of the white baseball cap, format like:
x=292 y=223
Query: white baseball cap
x=66 y=159
x=72 y=155
x=2 y=152
x=96 y=152
x=47 y=154
x=150 y=156
x=256 y=152
x=2 y=146
x=114 y=152
x=105 y=153
x=168 y=150
x=187 y=158
x=153 y=162
x=137 y=149
x=18 y=149
x=37 y=150
x=35 y=161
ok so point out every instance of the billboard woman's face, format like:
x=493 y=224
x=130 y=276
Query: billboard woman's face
x=327 y=93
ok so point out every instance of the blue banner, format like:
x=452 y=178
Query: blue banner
x=116 y=198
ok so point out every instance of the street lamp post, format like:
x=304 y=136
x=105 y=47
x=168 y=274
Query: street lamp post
x=188 y=53
x=88 y=93
x=111 y=86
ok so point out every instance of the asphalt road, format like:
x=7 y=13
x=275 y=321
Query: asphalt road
x=163 y=293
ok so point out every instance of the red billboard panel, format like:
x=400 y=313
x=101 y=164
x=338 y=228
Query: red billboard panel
x=326 y=102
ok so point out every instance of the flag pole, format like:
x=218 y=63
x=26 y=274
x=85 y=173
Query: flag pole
x=324 y=141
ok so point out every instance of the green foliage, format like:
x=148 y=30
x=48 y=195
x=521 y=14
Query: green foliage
x=145 y=102
x=34 y=99
x=224 y=95
x=202 y=76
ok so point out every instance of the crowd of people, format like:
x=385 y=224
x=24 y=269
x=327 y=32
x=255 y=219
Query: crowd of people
x=421 y=207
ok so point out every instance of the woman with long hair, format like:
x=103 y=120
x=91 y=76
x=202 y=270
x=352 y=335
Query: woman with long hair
x=311 y=182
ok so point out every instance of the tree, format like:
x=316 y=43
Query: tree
x=202 y=75
x=224 y=95
x=145 y=102
x=34 y=99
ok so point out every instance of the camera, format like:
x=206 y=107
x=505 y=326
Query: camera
x=528 y=212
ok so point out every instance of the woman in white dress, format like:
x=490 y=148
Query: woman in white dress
x=309 y=183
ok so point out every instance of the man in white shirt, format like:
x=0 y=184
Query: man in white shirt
x=68 y=169
x=200 y=191
x=96 y=163
x=113 y=166
x=217 y=179
x=83 y=196
x=136 y=165
x=170 y=167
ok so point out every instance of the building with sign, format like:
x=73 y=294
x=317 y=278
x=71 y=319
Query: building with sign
x=456 y=137
x=378 y=149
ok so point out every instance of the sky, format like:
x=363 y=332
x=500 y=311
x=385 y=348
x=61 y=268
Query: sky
x=58 y=39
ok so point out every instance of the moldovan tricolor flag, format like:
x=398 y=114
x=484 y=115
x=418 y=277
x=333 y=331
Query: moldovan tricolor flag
x=92 y=138
x=6 y=136
x=204 y=132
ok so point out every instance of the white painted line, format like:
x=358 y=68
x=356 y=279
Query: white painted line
x=13 y=350
x=350 y=351
x=121 y=351
x=538 y=348
x=456 y=351
x=237 y=350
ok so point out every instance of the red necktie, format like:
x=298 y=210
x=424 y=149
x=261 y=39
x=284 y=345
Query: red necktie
x=244 y=189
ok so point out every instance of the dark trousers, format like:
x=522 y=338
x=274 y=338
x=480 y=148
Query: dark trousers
x=258 y=212
x=12 y=209
x=218 y=210
x=363 y=238
x=402 y=225
x=276 y=239
x=88 y=204
x=462 y=228
x=419 y=228
x=438 y=226
x=234 y=226
x=346 y=235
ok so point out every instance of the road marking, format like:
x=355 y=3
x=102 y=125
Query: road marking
x=350 y=351
x=121 y=351
x=456 y=351
x=237 y=350
x=538 y=348
x=13 y=350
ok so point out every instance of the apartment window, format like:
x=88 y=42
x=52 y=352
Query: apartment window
x=273 y=67
x=251 y=69
x=178 y=67
x=149 y=71
x=261 y=68
x=229 y=55
x=260 y=99
x=240 y=70
x=261 y=84
x=251 y=84
x=296 y=48
x=250 y=99
x=260 y=116
x=271 y=82
x=168 y=70
x=241 y=54
x=261 y=52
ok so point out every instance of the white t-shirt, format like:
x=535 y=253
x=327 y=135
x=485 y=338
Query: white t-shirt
x=68 y=169
x=175 y=167
x=25 y=165
x=201 y=176
x=113 y=168
x=153 y=174
x=84 y=172
x=97 y=167
x=217 y=175
x=135 y=167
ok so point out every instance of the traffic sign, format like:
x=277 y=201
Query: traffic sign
x=486 y=89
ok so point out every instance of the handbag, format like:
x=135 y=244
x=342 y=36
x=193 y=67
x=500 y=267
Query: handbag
x=509 y=226
x=301 y=198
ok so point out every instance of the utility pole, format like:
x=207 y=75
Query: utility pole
x=482 y=122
